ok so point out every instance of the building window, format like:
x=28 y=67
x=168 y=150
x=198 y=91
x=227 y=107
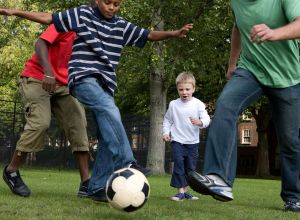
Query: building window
x=246 y=136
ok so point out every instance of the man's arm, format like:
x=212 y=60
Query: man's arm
x=39 y=17
x=261 y=32
x=41 y=50
x=163 y=35
x=234 y=52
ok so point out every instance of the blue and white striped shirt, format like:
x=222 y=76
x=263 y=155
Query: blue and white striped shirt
x=99 y=42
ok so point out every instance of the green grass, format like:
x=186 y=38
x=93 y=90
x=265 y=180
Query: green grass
x=54 y=197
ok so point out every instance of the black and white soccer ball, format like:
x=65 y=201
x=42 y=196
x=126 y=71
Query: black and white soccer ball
x=127 y=190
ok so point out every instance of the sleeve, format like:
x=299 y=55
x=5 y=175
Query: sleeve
x=135 y=35
x=168 y=121
x=66 y=21
x=291 y=8
x=203 y=115
x=50 y=34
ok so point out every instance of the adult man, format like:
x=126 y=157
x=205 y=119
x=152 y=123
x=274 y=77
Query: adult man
x=267 y=61
x=43 y=86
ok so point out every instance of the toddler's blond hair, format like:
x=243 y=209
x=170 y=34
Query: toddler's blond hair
x=186 y=77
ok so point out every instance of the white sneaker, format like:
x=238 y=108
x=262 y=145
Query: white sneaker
x=205 y=185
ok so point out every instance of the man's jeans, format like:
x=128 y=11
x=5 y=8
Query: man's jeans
x=221 y=146
x=114 y=151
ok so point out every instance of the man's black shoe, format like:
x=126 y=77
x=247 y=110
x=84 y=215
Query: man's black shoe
x=99 y=196
x=83 y=189
x=292 y=206
x=143 y=170
x=15 y=183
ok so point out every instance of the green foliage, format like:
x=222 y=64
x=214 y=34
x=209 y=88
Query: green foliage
x=54 y=5
x=16 y=46
x=204 y=51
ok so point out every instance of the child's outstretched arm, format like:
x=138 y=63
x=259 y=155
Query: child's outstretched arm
x=39 y=17
x=162 y=35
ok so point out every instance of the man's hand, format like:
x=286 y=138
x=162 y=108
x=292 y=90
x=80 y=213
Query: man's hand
x=229 y=72
x=261 y=33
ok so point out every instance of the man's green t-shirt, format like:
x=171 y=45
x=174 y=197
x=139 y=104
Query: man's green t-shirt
x=275 y=64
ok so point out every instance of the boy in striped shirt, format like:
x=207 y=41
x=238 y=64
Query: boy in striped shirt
x=101 y=36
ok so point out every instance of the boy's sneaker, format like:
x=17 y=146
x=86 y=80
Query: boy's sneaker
x=207 y=186
x=292 y=206
x=143 y=170
x=15 y=183
x=189 y=196
x=99 y=196
x=83 y=189
x=178 y=197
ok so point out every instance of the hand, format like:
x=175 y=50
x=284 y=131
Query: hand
x=49 y=83
x=167 y=138
x=183 y=31
x=4 y=11
x=229 y=72
x=261 y=33
x=196 y=121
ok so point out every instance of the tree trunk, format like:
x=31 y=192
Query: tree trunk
x=262 y=168
x=263 y=116
x=156 y=149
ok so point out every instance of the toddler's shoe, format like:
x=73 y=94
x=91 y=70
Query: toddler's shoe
x=178 y=197
x=189 y=196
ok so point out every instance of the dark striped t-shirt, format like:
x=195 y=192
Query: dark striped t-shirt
x=99 y=42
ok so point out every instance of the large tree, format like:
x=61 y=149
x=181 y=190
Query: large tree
x=204 y=52
x=146 y=77
x=155 y=67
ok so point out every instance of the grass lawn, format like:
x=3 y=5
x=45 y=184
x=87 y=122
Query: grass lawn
x=54 y=197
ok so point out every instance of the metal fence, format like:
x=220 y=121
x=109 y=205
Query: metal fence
x=57 y=152
x=11 y=124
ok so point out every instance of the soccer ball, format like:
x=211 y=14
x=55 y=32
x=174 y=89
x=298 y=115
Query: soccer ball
x=127 y=190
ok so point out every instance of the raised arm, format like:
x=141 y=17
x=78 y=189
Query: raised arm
x=39 y=17
x=261 y=32
x=163 y=35
x=234 y=51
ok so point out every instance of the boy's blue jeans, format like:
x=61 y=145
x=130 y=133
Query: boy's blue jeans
x=114 y=151
x=221 y=146
x=185 y=157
